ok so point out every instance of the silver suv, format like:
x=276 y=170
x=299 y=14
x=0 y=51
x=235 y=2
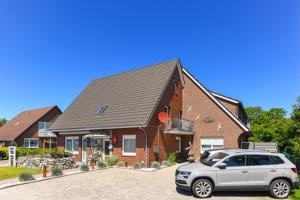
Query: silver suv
x=241 y=171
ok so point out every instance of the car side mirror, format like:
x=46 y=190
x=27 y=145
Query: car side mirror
x=222 y=166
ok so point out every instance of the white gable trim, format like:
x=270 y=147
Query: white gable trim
x=225 y=98
x=244 y=127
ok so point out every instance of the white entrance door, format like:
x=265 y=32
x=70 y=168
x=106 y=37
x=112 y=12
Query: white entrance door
x=84 y=147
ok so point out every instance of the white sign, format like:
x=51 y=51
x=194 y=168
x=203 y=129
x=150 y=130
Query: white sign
x=12 y=151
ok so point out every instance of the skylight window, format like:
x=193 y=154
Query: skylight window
x=101 y=110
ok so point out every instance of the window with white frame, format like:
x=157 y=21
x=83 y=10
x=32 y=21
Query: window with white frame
x=72 y=144
x=211 y=143
x=178 y=144
x=129 y=145
x=31 y=143
x=43 y=126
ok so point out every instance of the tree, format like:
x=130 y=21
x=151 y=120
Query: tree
x=2 y=121
x=274 y=126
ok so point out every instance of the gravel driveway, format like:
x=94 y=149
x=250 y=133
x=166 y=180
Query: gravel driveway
x=112 y=184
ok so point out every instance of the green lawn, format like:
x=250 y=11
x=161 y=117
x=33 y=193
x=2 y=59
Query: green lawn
x=11 y=172
x=296 y=194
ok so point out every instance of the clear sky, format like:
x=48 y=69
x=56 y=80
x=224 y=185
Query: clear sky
x=51 y=49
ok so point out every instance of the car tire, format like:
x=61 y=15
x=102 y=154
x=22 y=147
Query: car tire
x=280 y=189
x=202 y=188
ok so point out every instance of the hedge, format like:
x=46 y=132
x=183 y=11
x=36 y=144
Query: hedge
x=22 y=151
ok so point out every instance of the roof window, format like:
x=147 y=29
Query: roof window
x=101 y=110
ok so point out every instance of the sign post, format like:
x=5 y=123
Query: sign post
x=12 y=156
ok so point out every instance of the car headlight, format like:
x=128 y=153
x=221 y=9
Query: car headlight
x=185 y=174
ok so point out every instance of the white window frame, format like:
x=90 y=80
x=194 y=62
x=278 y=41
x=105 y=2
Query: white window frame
x=212 y=141
x=123 y=146
x=29 y=140
x=178 y=139
x=72 y=138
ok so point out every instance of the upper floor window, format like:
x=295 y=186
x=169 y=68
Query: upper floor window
x=101 y=110
x=43 y=126
x=167 y=109
x=176 y=88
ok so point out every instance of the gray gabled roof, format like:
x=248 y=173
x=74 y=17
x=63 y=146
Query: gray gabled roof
x=130 y=97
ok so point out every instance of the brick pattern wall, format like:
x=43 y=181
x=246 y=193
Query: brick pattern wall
x=197 y=107
x=33 y=131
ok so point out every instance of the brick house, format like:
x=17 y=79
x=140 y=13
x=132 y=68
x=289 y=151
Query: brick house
x=29 y=129
x=118 y=115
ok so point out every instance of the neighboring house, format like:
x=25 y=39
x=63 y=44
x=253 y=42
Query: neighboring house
x=118 y=115
x=29 y=129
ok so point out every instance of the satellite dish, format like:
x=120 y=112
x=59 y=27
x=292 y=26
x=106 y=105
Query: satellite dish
x=163 y=117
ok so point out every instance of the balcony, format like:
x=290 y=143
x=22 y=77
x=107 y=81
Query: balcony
x=45 y=133
x=179 y=127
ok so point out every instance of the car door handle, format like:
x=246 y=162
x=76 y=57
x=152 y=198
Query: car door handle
x=273 y=170
x=244 y=171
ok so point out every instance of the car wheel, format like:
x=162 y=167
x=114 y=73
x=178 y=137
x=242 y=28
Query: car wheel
x=280 y=189
x=202 y=188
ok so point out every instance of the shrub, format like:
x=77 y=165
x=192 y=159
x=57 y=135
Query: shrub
x=165 y=163
x=120 y=164
x=3 y=153
x=137 y=165
x=84 y=168
x=171 y=159
x=101 y=165
x=26 y=177
x=155 y=165
x=112 y=160
x=56 y=171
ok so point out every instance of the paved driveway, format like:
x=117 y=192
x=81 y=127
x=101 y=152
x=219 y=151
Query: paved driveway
x=113 y=184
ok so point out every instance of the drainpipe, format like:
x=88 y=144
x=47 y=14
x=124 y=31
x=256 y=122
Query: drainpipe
x=146 y=145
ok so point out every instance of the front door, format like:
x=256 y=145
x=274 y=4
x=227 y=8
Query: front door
x=106 y=150
x=235 y=174
x=84 y=147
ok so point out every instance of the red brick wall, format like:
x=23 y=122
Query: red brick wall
x=197 y=103
x=234 y=108
x=32 y=132
x=61 y=145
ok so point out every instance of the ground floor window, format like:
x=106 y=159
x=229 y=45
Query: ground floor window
x=178 y=144
x=72 y=144
x=129 y=145
x=50 y=143
x=31 y=143
x=211 y=143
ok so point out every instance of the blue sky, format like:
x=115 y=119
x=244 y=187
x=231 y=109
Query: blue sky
x=50 y=50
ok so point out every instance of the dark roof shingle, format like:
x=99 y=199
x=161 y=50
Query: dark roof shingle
x=130 y=99
x=15 y=127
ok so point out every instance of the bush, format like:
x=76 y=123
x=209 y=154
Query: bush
x=56 y=171
x=26 y=177
x=155 y=165
x=120 y=164
x=112 y=161
x=3 y=153
x=137 y=165
x=101 y=165
x=171 y=158
x=165 y=163
x=84 y=168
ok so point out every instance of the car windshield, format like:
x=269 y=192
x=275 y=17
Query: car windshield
x=214 y=159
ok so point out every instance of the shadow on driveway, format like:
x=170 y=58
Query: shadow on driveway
x=228 y=194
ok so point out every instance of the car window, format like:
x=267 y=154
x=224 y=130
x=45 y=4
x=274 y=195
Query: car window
x=255 y=160
x=235 y=161
x=214 y=159
x=276 y=160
